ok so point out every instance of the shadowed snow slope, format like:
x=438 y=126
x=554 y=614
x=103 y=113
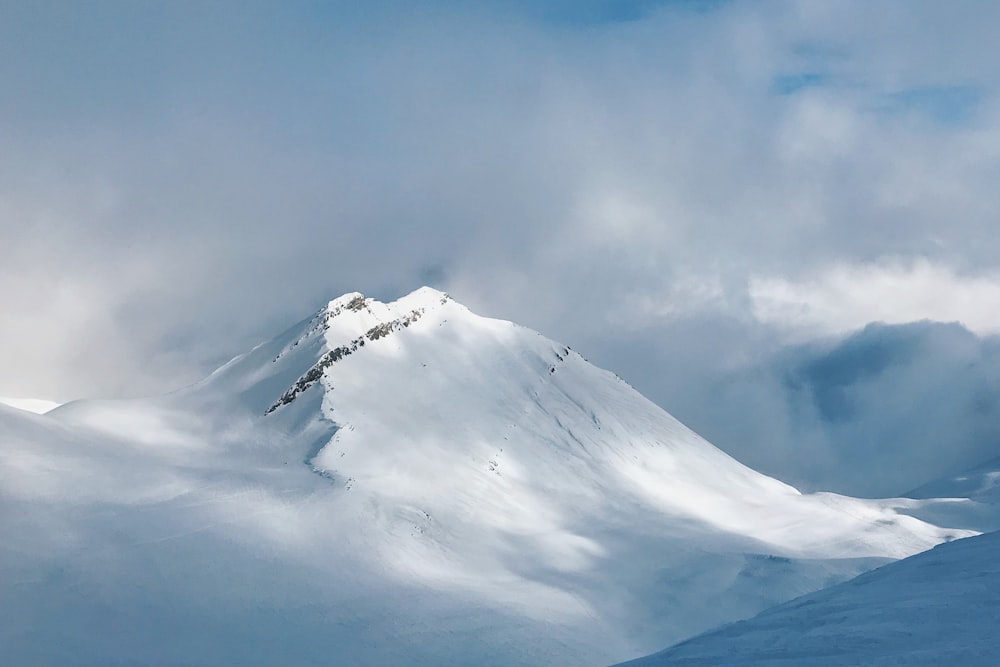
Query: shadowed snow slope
x=939 y=607
x=402 y=483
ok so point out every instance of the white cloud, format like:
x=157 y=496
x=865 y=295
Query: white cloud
x=219 y=184
x=847 y=296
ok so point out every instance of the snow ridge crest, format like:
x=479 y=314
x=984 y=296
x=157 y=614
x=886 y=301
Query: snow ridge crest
x=376 y=319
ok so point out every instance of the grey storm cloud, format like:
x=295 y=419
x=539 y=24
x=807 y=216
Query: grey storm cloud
x=179 y=181
x=874 y=414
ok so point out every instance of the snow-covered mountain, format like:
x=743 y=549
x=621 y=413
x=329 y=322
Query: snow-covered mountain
x=970 y=500
x=401 y=483
x=981 y=484
x=935 y=608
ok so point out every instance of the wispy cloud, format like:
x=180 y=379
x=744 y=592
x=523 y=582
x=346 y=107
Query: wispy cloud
x=846 y=297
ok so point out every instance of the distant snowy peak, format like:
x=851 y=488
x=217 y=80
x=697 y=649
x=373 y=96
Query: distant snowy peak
x=981 y=483
x=351 y=321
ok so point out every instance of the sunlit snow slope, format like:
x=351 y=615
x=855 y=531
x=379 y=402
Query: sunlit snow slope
x=941 y=607
x=37 y=405
x=402 y=483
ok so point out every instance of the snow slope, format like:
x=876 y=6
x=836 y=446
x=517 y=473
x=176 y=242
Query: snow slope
x=401 y=483
x=37 y=405
x=938 y=607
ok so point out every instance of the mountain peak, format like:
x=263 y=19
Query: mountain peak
x=351 y=321
x=422 y=297
x=421 y=385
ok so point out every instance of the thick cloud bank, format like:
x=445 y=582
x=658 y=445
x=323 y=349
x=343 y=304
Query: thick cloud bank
x=877 y=413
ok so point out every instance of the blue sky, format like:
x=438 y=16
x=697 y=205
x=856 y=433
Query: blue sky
x=721 y=184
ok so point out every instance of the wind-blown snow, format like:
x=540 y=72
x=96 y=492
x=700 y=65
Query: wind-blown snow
x=941 y=607
x=402 y=483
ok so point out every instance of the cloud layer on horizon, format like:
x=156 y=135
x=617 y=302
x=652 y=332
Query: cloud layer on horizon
x=876 y=413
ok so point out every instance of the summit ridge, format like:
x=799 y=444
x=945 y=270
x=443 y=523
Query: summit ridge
x=378 y=316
